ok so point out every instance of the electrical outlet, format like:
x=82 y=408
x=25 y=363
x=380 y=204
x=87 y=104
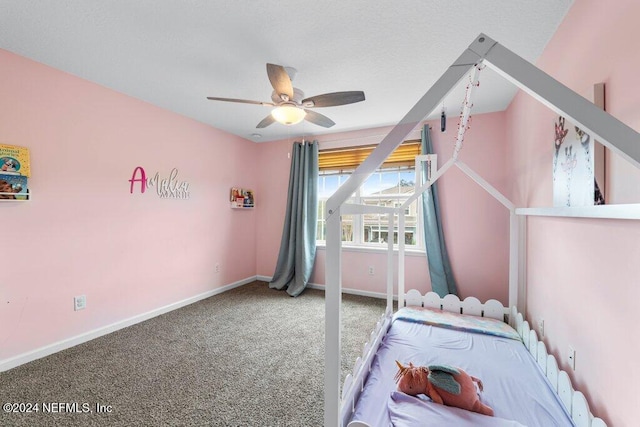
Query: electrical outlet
x=217 y=268
x=371 y=270
x=541 y=327
x=572 y=358
x=79 y=302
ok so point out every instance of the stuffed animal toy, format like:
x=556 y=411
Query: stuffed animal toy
x=443 y=384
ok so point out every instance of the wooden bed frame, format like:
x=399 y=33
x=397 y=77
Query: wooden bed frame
x=603 y=127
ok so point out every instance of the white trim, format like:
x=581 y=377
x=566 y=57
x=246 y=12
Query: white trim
x=356 y=209
x=49 y=349
x=351 y=291
x=321 y=287
x=369 y=248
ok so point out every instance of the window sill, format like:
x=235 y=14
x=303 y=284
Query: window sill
x=374 y=250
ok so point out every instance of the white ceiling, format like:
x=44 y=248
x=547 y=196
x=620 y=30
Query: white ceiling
x=175 y=53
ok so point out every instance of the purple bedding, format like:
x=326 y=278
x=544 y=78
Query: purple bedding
x=408 y=411
x=514 y=385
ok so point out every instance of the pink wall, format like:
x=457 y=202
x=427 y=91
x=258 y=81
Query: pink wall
x=475 y=224
x=582 y=273
x=84 y=233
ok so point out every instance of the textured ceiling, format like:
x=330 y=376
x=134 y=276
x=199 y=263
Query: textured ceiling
x=175 y=53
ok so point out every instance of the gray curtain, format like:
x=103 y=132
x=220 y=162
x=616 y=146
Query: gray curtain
x=442 y=281
x=298 y=245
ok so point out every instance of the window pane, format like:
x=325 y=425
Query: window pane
x=393 y=181
x=321 y=232
x=327 y=185
x=347 y=228
x=389 y=188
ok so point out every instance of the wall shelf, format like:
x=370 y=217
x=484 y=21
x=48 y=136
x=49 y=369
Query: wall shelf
x=622 y=211
x=19 y=197
x=241 y=198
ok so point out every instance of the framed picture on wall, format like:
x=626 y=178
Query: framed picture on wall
x=573 y=170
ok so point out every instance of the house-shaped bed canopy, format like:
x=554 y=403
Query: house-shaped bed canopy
x=609 y=131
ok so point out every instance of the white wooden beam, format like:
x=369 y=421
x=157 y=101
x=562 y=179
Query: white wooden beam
x=514 y=258
x=332 y=318
x=602 y=126
x=401 y=247
x=424 y=106
x=622 y=211
x=390 y=269
x=356 y=209
x=485 y=185
x=422 y=187
x=522 y=265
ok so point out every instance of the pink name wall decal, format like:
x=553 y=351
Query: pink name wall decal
x=167 y=188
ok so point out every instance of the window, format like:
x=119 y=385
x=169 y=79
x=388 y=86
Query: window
x=391 y=186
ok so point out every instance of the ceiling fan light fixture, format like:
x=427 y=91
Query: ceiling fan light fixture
x=288 y=114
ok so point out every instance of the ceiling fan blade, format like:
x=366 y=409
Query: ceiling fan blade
x=266 y=121
x=280 y=80
x=244 y=101
x=334 y=99
x=318 y=119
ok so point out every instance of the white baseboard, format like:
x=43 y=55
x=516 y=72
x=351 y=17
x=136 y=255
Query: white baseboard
x=380 y=295
x=352 y=291
x=21 y=359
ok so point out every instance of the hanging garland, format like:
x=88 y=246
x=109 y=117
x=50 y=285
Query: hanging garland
x=466 y=103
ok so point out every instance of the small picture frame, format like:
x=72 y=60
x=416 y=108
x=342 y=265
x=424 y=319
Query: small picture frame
x=241 y=198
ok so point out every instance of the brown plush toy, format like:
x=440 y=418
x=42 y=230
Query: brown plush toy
x=443 y=384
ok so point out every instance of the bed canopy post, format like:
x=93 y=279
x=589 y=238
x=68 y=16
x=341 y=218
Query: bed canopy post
x=390 y=269
x=333 y=313
x=514 y=258
x=401 y=243
x=333 y=287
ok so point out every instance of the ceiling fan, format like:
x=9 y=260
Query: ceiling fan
x=291 y=105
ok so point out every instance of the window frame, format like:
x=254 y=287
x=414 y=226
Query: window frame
x=357 y=228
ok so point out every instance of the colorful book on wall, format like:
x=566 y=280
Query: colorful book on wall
x=14 y=160
x=15 y=167
x=13 y=187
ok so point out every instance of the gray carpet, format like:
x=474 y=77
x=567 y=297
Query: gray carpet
x=251 y=356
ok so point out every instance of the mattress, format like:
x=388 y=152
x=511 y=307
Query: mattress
x=514 y=385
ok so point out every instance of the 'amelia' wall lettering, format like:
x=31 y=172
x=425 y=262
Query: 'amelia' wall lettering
x=167 y=188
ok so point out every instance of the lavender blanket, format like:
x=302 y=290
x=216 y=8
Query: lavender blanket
x=409 y=411
x=514 y=385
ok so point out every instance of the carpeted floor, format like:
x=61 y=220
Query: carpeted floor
x=251 y=356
